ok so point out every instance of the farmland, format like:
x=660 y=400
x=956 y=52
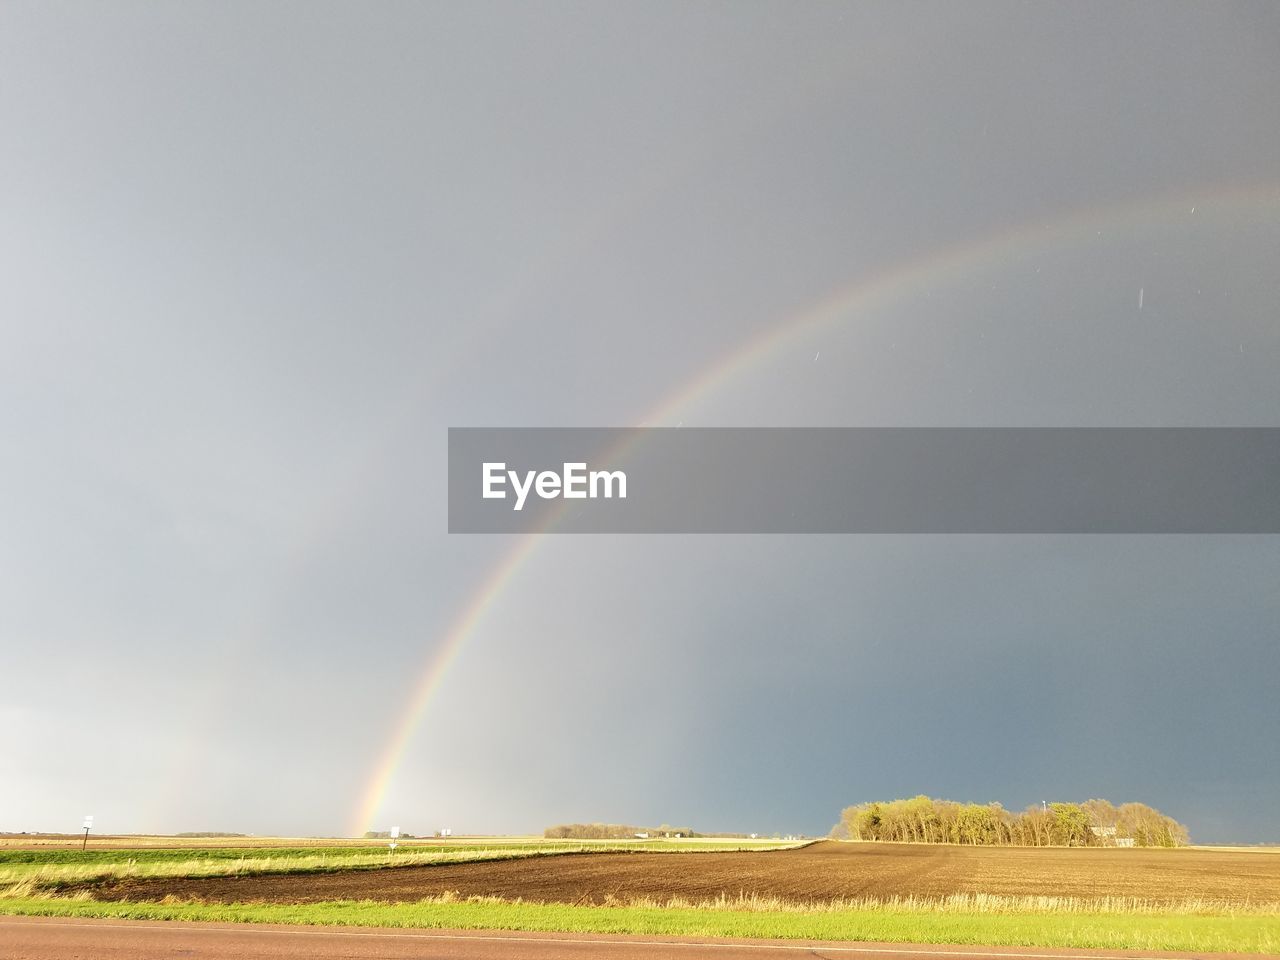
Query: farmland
x=822 y=872
x=55 y=863
x=1177 y=899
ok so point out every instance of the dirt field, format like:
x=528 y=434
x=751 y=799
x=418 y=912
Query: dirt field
x=822 y=872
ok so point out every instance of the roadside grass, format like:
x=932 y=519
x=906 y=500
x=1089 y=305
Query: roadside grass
x=1196 y=926
x=58 y=868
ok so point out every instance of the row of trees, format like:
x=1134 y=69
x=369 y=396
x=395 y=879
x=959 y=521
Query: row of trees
x=209 y=835
x=611 y=831
x=1092 y=823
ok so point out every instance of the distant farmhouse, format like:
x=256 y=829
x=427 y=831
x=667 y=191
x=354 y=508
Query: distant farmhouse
x=1107 y=837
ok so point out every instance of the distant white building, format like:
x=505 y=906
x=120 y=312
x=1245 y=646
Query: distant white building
x=1109 y=838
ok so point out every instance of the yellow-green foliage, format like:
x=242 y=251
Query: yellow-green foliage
x=925 y=820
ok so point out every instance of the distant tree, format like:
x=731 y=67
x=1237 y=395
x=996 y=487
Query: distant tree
x=1070 y=824
x=1149 y=827
x=1102 y=813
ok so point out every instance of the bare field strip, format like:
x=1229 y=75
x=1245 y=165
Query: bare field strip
x=820 y=873
x=24 y=871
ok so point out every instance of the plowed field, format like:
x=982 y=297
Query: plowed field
x=821 y=872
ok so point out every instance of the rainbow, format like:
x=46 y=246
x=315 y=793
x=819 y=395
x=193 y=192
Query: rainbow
x=868 y=294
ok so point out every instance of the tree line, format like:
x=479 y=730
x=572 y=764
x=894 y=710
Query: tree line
x=611 y=831
x=1094 y=823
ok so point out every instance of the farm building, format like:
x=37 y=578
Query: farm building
x=1109 y=839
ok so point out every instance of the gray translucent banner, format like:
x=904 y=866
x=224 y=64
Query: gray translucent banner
x=865 y=480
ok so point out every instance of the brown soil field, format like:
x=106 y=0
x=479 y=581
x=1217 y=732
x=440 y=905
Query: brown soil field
x=817 y=873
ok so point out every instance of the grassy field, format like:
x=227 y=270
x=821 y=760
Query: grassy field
x=1029 y=925
x=39 y=881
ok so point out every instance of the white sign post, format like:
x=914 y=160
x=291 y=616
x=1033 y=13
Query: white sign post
x=395 y=835
x=88 y=823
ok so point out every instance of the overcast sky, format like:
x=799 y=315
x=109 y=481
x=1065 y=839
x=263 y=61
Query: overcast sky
x=256 y=258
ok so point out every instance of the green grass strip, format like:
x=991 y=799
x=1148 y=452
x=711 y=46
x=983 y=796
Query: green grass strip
x=1234 y=934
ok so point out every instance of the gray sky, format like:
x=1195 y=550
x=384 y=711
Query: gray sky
x=256 y=258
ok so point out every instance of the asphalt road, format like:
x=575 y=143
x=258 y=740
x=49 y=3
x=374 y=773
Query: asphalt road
x=38 y=938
